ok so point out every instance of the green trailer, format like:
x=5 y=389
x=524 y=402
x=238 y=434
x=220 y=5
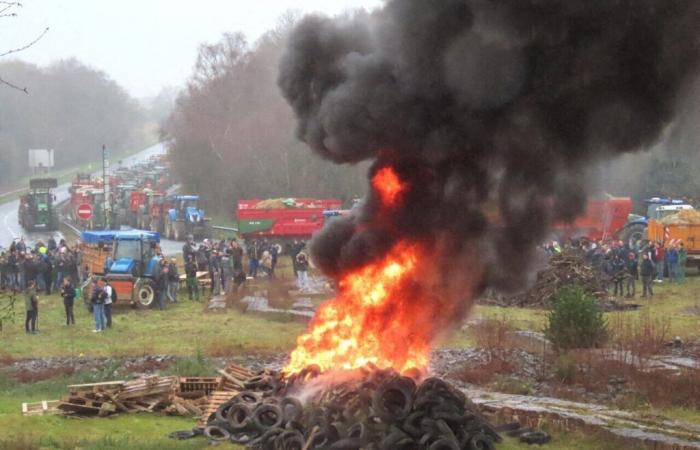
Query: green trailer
x=37 y=209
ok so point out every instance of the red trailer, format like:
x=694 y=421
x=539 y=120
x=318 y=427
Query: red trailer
x=283 y=218
x=603 y=219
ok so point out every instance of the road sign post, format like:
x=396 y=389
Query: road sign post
x=85 y=211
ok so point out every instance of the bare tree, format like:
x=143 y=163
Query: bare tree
x=9 y=9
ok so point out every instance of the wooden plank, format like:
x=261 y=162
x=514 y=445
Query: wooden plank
x=116 y=384
x=78 y=409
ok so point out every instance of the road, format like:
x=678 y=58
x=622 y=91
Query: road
x=10 y=228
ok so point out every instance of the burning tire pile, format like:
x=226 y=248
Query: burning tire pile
x=372 y=409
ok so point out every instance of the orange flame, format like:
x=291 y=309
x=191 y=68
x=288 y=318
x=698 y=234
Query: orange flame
x=377 y=318
x=389 y=186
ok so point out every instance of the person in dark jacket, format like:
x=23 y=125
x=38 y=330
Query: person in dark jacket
x=191 y=273
x=647 y=271
x=632 y=274
x=31 y=305
x=619 y=272
x=215 y=273
x=672 y=263
x=253 y=255
x=68 y=294
x=162 y=284
x=173 y=280
x=98 y=306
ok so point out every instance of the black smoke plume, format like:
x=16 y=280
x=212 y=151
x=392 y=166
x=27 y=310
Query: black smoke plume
x=483 y=106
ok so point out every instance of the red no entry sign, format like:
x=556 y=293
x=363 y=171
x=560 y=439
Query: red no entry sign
x=85 y=211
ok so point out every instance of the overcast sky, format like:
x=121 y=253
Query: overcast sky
x=145 y=44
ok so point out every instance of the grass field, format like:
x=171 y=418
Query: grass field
x=137 y=332
x=185 y=329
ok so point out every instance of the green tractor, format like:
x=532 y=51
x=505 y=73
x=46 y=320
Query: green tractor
x=37 y=210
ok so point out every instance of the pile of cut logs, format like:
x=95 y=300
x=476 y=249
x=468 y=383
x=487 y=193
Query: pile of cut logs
x=184 y=396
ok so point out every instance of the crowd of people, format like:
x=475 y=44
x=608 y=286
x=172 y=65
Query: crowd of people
x=224 y=262
x=45 y=268
x=619 y=266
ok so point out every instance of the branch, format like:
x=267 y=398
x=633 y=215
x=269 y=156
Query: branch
x=8 y=5
x=37 y=39
x=14 y=86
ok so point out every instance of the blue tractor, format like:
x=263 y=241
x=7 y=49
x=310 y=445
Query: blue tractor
x=635 y=230
x=186 y=218
x=128 y=261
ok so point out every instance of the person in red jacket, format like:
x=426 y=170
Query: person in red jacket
x=659 y=261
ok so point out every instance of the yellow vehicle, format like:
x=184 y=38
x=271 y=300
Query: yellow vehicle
x=684 y=226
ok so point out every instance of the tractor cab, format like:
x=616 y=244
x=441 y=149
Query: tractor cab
x=134 y=253
x=186 y=208
x=36 y=209
x=130 y=267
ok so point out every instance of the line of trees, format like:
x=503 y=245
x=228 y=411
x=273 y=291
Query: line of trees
x=232 y=133
x=71 y=108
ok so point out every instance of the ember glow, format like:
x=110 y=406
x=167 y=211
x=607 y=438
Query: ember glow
x=378 y=317
x=389 y=186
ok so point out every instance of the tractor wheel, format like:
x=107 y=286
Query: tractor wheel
x=633 y=234
x=144 y=294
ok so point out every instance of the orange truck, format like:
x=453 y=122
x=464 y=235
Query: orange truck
x=684 y=227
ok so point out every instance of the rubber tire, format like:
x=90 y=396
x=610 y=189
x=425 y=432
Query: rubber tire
x=256 y=421
x=444 y=444
x=217 y=433
x=632 y=231
x=141 y=287
x=481 y=442
x=535 y=437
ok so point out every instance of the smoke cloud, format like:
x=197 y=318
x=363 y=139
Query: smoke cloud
x=489 y=110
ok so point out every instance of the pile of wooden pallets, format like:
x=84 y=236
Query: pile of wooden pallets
x=173 y=395
x=197 y=397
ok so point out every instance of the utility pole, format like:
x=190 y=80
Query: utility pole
x=105 y=183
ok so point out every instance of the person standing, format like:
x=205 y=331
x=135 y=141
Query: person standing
x=108 y=295
x=191 y=274
x=618 y=268
x=632 y=274
x=302 y=270
x=173 y=280
x=647 y=271
x=253 y=255
x=672 y=263
x=215 y=273
x=98 y=306
x=31 y=305
x=68 y=294
x=659 y=261
x=682 y=262
x=162 y=284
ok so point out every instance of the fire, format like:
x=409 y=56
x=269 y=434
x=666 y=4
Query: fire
x=389 y=186
x=379 y=317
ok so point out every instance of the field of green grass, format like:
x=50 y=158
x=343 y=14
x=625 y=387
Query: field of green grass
x=185 y=329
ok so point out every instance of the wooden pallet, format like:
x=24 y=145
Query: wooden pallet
x=216 y=399
x=147 y=387
x=40 y=408
x=96 y=387
x=199 y=384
